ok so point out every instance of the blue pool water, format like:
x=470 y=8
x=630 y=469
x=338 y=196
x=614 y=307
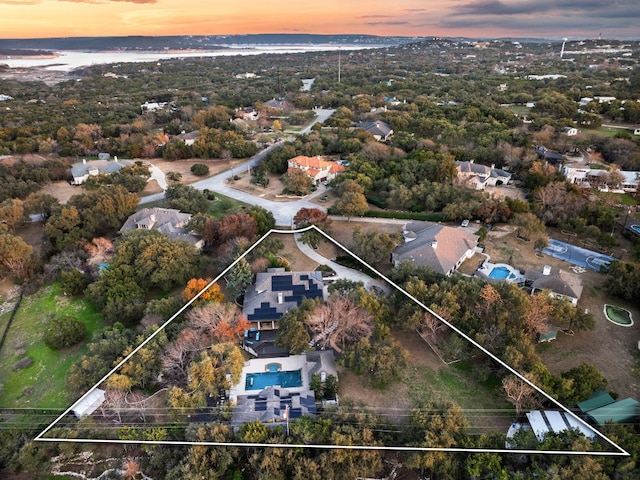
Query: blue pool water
x=635 y=228
x=500 y=273
x=260 y=381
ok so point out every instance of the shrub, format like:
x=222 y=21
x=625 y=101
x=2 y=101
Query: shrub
x=199 y=169
x=63 y=332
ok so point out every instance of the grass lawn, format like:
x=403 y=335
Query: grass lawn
x=519 y=109
x=225 y=205
x=606 y=131
x=621 y=198
x=42 y=384
x=484 y=406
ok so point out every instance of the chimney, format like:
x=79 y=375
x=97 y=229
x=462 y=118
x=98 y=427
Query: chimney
x=471 y=161
x=493 y=165
x=434 y=244
x=280 y=298
x=546 y=270
x=115 y=158
x=84 y=161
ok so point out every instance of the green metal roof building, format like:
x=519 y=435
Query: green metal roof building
x=600 y=398
x=623 y=411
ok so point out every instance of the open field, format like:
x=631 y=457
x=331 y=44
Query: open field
x=42 y=383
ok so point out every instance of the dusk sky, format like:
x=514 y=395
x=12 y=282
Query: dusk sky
x=469 y=18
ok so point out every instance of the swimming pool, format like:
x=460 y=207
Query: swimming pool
x=501 y=273
x=635 y=228
x=260 y=381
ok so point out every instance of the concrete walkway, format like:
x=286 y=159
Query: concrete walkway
x=341 y=271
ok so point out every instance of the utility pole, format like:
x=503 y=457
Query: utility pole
x=339 y=64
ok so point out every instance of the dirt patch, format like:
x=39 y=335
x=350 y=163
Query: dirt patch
x=272 y=192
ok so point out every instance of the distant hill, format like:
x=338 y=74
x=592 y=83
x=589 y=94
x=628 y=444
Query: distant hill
x=190 y=42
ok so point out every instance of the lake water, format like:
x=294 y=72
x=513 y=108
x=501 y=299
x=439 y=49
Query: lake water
x=69 y=60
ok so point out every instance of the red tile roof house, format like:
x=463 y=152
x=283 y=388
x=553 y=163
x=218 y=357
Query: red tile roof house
x=440 y=247
x=319 y=169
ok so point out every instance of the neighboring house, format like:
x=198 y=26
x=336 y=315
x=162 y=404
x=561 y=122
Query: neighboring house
x=276 y=292
x=82 y=171
x=276 y=103
x=173 y=223
x=478 y=176
x=104 y=156
x=570 y=131
x=246 y=75
x=440 y=247
x=587 y=177
x=634 y=130
x=189 y=138
x=148 y=107
x=560 y=283
x=89 y=404
x=380 y=130
x=549 y=155
x=248 y=113
x=319 y=169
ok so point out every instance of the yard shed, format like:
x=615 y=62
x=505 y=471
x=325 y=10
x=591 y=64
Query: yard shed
x=622 y=411
x=89 y=404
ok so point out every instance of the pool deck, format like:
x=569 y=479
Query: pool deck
x=259 y=365
x=485 y=269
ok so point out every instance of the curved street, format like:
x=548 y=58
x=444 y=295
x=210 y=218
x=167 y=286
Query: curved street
x=282 y=212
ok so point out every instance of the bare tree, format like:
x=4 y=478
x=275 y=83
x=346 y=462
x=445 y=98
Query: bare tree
x=339 y=321
x=179 y=353
x=114 y=403
x=519 y=392
x=432 y=325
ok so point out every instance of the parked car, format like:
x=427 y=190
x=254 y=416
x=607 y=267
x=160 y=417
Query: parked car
x=465 y=223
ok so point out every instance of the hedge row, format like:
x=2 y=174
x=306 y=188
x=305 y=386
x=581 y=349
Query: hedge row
x=378 y=202
x=425 y=217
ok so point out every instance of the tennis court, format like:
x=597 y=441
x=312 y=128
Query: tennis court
x=577 y=255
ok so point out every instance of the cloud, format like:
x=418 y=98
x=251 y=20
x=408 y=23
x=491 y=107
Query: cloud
x=362 y=17
x=390 y=22
x=587 y=8
x=92 y=2
x=544 y=17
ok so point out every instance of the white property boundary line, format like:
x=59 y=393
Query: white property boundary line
x=620 y=451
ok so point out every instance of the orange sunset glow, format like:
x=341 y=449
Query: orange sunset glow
x=471 y=18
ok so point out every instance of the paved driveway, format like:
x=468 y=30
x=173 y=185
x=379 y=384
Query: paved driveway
x=341 y=271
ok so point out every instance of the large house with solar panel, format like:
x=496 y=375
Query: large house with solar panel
x=277 y=291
